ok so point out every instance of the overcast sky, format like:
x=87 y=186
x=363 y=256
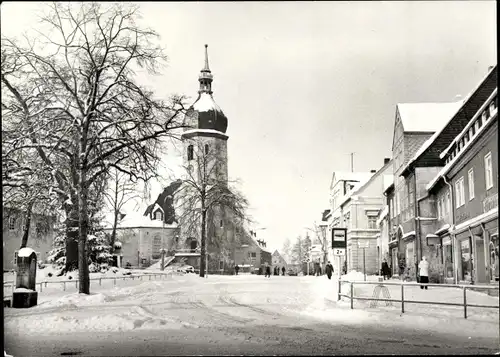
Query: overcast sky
x=304 y=84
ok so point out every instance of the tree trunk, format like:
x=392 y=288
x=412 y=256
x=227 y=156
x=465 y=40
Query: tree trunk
x=72 y=239
x=203 y=252
x=83 y=267
x=113 y=232
x=24 y=241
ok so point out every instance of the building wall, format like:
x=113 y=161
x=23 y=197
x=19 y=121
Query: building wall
x=140 y=243
x=40 y=241
x=475 y=159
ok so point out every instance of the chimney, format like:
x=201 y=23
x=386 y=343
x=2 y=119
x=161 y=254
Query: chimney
x=373 y=171
x=458 y=97
x=386 y=160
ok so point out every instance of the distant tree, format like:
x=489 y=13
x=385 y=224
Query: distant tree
x=286 y=250
x=120 y=191
x=298 y=253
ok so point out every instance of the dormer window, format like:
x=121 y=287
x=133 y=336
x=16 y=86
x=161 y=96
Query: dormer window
x=492 y=107
x=190 y=152
x=484 y=116
x=158 y=216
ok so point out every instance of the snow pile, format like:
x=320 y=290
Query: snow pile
x=76 y=299
x=64 y=324
x=23 y=290
x=354 y=275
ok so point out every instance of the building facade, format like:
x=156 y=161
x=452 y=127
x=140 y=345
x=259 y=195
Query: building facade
x=278 y=260
x=252 y=255
x=40 y=239
x=455 y=176
x=360 y=210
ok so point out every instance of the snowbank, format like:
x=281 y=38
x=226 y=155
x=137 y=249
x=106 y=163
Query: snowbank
x=354 y=275
x=73 y=300
x=23 y=290
x=25 y=252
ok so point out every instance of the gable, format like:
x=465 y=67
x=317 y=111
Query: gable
x=397 y=131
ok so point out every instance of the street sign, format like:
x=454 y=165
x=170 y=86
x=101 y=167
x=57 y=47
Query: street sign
x=339 y=238
x=338 y=251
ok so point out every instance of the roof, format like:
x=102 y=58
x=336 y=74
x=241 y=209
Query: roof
x=350 y=176
x=469 y=106
x=388 y=181
x=210 y=115
x=426 y=117
x=137 y=220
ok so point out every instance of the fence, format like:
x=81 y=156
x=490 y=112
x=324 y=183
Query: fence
x=12 y=284
x=464 y=288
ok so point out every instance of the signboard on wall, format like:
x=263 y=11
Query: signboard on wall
x=339 y=238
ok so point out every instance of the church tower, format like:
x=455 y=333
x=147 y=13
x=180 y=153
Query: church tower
x=205 y=157
x=207 y=128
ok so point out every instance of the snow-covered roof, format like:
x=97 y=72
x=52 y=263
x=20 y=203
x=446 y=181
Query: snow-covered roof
x=426 y=117
x=412 y=233
x=388 y=181
x=204 y=131
x=205 y=103
x=25 y=252
x=356 y=187
x=350 y=176
x=450 y=164
x=137 y=220
x=443 y=229
x=471 y=123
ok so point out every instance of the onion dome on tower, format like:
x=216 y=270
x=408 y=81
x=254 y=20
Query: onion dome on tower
x=210 y=115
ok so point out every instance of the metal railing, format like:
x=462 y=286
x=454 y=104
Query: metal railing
x=464 y=288
x=11 y=284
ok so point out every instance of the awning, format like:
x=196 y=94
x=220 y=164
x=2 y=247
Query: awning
x=432 y=239
x=444 y=229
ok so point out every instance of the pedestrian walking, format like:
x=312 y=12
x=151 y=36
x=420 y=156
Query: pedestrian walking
x=423 y=272
x=236 y=269
x=316 y=268
x=267 y=271
x=329 y=270
x=385 y=269
x=283 y=270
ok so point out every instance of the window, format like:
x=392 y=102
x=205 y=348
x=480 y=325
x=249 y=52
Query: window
x=440 y=208
x=156 y=248
x=158 y=215
x=465 y=268
x=254 y=255
x=471 y=184
x=447 y=204
x=372 y=222
x=488 y=171
x=39 y=229
x=484 y=116
x=459 y=192
x=190 y=152
x=206 y=149
x=12 y=223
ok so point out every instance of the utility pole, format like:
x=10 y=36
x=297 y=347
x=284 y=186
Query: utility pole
x=352 y=161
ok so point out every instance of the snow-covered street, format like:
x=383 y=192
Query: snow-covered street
x=243 y=314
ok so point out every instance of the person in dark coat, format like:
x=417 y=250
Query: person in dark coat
x=268 y=271
x=236 y=268
x=329 y=270
x=385 y=270
x=283 y=271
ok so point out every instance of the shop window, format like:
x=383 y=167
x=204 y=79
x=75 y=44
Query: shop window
x=465 y=273
x=494 y=258
x=448 y=260
x=488 y=171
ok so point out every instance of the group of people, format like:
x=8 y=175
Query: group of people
x=267 y=270
x=423 y=272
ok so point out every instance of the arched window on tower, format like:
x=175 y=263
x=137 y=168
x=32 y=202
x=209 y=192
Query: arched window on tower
x=206 y=149
x=190 y=152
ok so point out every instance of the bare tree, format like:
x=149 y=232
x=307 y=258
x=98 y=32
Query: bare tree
x=84 y=111
x=120 y=191
x=286 y=250
x=205 y=201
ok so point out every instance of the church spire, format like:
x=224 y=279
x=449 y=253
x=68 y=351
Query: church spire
x=205 y=78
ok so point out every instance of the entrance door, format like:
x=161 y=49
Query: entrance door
x=493 y=258
x=480 y=263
